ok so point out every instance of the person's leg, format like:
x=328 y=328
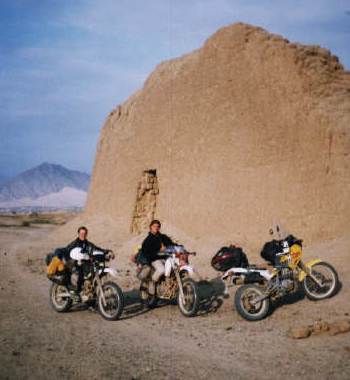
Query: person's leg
x=158 y=265
x=69 y=268
x=144 y=272
x=80 y=278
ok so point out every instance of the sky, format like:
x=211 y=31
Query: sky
x=65 y=64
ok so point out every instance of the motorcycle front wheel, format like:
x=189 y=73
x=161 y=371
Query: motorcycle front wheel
x=114 y=301
x=59 y=299
x=189 y=303
x=245 y=305
x=327 y=276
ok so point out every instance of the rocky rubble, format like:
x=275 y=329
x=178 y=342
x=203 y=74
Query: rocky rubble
x=320 y=327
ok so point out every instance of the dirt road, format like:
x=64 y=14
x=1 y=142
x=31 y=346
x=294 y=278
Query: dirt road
x=38 y=343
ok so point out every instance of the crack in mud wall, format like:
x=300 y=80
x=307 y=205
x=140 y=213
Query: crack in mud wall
x=146 y=202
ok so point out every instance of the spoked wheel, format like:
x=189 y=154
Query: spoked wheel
x=328 y=279
x=189 y=303
x=146 y=298
x=246 y=305
x=114 y=301
x=59 y=298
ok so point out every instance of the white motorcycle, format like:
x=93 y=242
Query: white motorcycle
x=97 y=287
x=178 y=282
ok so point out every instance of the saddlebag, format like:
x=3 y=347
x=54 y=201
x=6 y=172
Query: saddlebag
x=229 y=257
x=61 y=253
x=271 y=248
x=56 y=271
x=269 y=251
x=60 y=278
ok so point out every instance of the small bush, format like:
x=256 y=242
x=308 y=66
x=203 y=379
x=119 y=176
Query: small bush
x=25 y=223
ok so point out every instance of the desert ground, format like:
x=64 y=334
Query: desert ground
x=38 y=343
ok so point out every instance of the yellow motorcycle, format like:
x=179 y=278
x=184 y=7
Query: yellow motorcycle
x=318 y=279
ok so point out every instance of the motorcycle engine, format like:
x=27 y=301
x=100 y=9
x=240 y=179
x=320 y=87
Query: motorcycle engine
x=287 y=279
x=167 y=288
x=88 y=291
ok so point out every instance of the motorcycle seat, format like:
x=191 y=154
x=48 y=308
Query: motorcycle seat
x=260 y=266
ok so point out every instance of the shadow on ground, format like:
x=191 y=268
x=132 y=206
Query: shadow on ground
x=132 y=305
x=211 y=294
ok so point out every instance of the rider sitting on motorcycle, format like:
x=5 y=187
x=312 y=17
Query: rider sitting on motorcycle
x=155 y=243
x=86 y=247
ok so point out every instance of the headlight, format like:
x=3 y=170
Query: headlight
x=296 y=251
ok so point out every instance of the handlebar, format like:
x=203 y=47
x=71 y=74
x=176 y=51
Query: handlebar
x=110 y=255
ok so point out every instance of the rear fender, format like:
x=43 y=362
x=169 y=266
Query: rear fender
x=234 y=272
x=188 y=269
x=265 y=273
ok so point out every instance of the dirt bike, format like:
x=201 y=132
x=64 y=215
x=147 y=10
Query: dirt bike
x=97 y=289
x=178 y=283
x=318 y=279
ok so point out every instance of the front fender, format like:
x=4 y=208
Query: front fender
x=309 y=265
x=113 y=272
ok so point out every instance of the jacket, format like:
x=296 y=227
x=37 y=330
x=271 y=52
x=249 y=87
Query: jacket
x=152 y=245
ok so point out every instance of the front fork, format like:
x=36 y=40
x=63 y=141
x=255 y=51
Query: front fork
x=179 y=281
x=307 y=272
x=100 y=290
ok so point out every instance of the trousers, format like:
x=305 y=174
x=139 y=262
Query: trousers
x=158 y=265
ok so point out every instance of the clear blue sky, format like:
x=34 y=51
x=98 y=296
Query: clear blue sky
x=64 y=64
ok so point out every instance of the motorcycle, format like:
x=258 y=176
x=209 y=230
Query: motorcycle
x=97 y=288
x=178 y=282
x=260 y=285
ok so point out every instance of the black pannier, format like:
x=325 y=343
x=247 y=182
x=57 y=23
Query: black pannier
x=48 y=258
x=229 y=257
x=271 y=248
x=61 y=253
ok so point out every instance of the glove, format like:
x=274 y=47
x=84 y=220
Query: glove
x=110 y=255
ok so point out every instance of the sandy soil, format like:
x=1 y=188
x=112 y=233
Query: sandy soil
x=38 y=343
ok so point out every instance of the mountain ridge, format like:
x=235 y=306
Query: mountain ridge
x=42 y=180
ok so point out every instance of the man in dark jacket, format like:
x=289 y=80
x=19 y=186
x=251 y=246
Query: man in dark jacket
x=155 y=243
x=82 y=242
x=86 y=247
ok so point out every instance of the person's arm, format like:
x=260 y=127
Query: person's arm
x=167 y=241
x=71 y=245
x=109 y=254
x=96 y=248
x=146 y=248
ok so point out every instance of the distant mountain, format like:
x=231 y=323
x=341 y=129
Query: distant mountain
x=67 y=198
x=40 y=181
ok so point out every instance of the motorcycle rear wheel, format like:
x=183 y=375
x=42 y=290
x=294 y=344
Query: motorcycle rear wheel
x=60 y=303
x=243 y=297
x=115 y=301
x=189 y=306
x=325 y=273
